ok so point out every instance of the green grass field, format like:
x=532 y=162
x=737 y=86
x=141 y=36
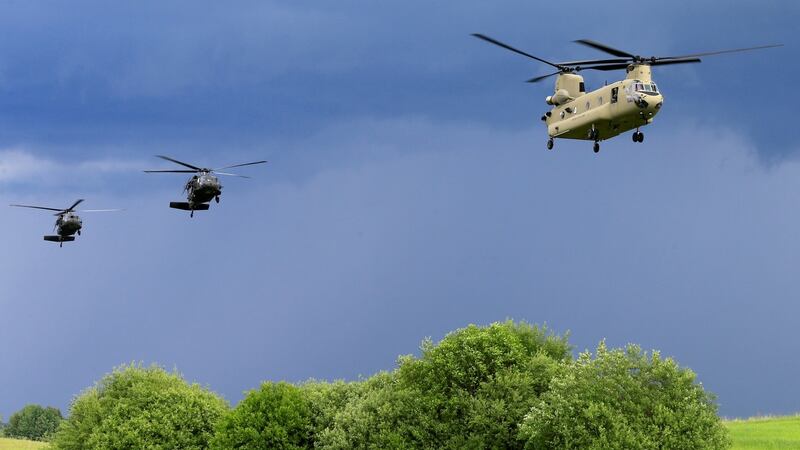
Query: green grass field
x=765 y=433
x=16 y=444
x=758 y=433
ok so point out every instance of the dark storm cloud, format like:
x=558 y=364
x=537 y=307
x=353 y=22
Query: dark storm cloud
x=408 y=192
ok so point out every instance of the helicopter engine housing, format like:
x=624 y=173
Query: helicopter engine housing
x=560 y=97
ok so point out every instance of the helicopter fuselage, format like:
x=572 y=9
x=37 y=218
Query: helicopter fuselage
x=68 y=224
x=605 y=112
x=202 y=188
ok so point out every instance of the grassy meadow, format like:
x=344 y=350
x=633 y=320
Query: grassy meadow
x=765 y=433
x=17 y=444
x=762 y=433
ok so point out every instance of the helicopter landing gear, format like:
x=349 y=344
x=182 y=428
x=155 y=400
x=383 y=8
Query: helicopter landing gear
x=60 y=244
x=638 y=136
x=191 y=213
x=549 y=147
x=596 y=147
x=79 y=232
x=217 y=199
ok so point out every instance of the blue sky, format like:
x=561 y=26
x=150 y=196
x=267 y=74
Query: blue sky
x=408 y=192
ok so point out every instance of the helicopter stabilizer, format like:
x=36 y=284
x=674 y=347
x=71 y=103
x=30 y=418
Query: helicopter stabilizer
x=59 y=238
x=185 y=206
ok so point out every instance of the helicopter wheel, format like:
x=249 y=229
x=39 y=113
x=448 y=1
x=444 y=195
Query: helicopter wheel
x=191 y=213
x=641 y=137
x=79 y=232
x=596 y=147
x=638 y=136
x=549 y=147
x=217 y=198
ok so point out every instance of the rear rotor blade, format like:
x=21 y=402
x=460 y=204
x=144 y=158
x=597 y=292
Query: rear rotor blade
x=77 y=202
x=170 y=171
x=540 y=78
x=720 y=52
x=508 y=47
x=180 y=162
x=240 y=165
x=605 y=67
x=594 y=61
x=603 y=48
x=38 y=207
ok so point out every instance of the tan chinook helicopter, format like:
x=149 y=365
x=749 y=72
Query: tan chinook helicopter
x=614 y=108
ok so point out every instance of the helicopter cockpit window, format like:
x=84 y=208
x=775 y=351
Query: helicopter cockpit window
x=647 y=88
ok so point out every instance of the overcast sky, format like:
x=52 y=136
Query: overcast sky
x=409 y=192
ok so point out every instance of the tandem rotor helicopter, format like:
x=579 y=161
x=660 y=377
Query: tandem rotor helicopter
x=68 y=223
x=613 y=109
x=202 y=187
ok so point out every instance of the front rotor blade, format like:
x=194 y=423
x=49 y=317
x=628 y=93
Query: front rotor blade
x=675 y=61
x=169 y=171
x=240 y=165
x=603 y=48
x=540 y=78
x=230 y=174
x=38 y=207
x=77 y=202
x=180 y=162
x=720 y=52
x=508 y=47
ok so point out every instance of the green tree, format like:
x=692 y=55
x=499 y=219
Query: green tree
x=33 y=422
x=136 y=407
x=469 y=391
x=277 y=416
x=283 y=416
x=624 y=399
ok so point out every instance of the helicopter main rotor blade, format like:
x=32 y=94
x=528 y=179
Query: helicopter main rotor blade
x=169 y=171
x=38 y=207
x=604 y=48
x=100 y=210
x=77 y=202
x=231 y=174
x=240 y=165
x=540 y=78
x=693 y=55
x=594 y=61
x=675 y=61
x=605 y=67
x=180 y=162
x=508 y=47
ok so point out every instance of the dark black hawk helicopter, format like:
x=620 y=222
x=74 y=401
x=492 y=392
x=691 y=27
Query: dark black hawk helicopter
x=67 y=222
x=202 y=187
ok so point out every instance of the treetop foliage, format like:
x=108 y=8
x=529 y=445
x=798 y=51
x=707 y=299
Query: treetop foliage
x=33 y=422
x=136 y=407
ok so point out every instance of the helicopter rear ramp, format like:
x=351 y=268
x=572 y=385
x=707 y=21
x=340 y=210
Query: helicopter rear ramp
x=185 y=206
x=59 y=238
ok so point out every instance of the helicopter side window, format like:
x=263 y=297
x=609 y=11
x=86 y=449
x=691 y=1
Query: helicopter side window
x=614 y=94
x=581 y=87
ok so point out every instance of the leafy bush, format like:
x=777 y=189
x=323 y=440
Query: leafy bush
x=282 y=416
x=136 y=407
x=469 y=391
x=33 y=422
x=624 y=399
